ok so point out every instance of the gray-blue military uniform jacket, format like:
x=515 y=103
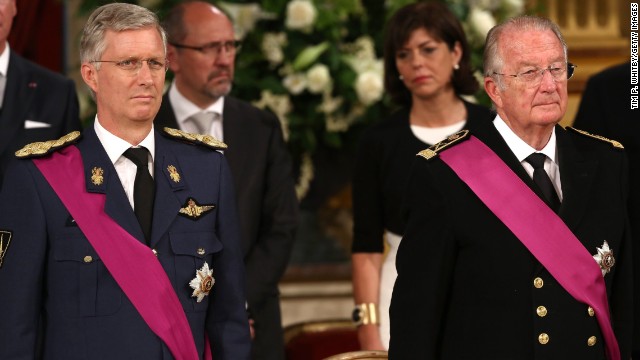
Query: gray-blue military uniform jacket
x=58 y=300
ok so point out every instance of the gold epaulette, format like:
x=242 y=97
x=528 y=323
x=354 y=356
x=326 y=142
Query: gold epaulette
x=615 y=144
x=432 y=151
x=42 y=148
x=206 y=140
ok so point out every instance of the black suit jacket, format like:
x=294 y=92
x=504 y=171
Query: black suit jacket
x=465 y=287
x=605 y=110
x=37 y=94
x=267 y=206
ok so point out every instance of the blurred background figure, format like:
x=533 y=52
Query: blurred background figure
x=36 y=104
x=605 y=110
x=427 y=69
x=201 y=52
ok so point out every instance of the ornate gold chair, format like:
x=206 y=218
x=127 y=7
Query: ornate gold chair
x=316 y=340
x=360 y=355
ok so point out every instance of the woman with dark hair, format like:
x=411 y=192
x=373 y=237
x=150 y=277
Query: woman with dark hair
x=427 y=68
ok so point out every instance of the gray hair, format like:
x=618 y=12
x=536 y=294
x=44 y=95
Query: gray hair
x=115 y=17
x=492 y=59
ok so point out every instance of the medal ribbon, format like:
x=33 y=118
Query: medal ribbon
x=538 y=228
x=132 y=264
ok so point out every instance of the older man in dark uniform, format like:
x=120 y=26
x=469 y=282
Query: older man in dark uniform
x=517 y=244
x=124 y=245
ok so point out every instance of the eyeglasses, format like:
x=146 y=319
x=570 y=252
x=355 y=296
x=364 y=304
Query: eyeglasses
x=214 y=48
x=533 y=77
x=134 y=65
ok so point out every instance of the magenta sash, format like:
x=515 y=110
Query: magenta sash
x=536 y=226
x=132 y=264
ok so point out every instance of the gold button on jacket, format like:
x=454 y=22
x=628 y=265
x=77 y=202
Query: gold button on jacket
x=541 y=311
x=538 y=283
x=543 y=338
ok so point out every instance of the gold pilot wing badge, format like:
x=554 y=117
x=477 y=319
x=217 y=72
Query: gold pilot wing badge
x=5 y=240
x=605 y=258
x=202 y=283
x=173 y=173
x=193 y=210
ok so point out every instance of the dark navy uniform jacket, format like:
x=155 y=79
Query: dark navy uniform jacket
x=467 y=288
x=51 y=295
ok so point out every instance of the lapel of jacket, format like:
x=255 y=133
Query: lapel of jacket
x=235 y=127
x=18 y=94
x=576 y=175
x=117 y=204
x=168 y=188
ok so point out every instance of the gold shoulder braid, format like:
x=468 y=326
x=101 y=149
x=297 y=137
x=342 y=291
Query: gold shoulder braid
x=615 y=144
x=432 y=151
x=206 y=140
x=42 y=148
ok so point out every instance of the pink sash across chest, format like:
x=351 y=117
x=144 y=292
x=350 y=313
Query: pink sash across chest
x=132 y=264
x=540 y=229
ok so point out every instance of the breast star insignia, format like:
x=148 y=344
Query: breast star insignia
x=605 y=258
x=202 y=283
x=193 y=211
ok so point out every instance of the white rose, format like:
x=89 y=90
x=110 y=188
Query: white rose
x=369 y=87
x=280 y=105
x=481 y=21
x=272 y=44
x=318 y=78
x=301 y=14
x=295 y=83
x=329 y=104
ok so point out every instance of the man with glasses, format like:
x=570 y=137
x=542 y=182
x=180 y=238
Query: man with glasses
x=202 y=50
x=122 y=242
x=517 y=243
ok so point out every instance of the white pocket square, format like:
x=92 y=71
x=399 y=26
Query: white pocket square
x=30 y=124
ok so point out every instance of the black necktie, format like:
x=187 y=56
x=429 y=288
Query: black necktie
x=541 y=178
x=144 y=189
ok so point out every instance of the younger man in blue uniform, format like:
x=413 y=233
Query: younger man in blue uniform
x=84 y=256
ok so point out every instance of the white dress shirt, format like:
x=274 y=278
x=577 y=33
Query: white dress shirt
x=115 y=147
x=521 y=150
x=183 y=108
x=4 y=68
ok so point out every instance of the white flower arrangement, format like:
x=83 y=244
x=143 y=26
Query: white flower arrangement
x=316 y=64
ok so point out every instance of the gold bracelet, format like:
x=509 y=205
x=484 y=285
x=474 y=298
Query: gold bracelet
x=365 y=314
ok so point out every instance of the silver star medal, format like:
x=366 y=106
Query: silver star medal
x=605 y=258
x=202 y=283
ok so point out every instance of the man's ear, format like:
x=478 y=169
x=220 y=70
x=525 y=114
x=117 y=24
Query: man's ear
x=492 y=89
x=89 y=75
x=172 y=57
